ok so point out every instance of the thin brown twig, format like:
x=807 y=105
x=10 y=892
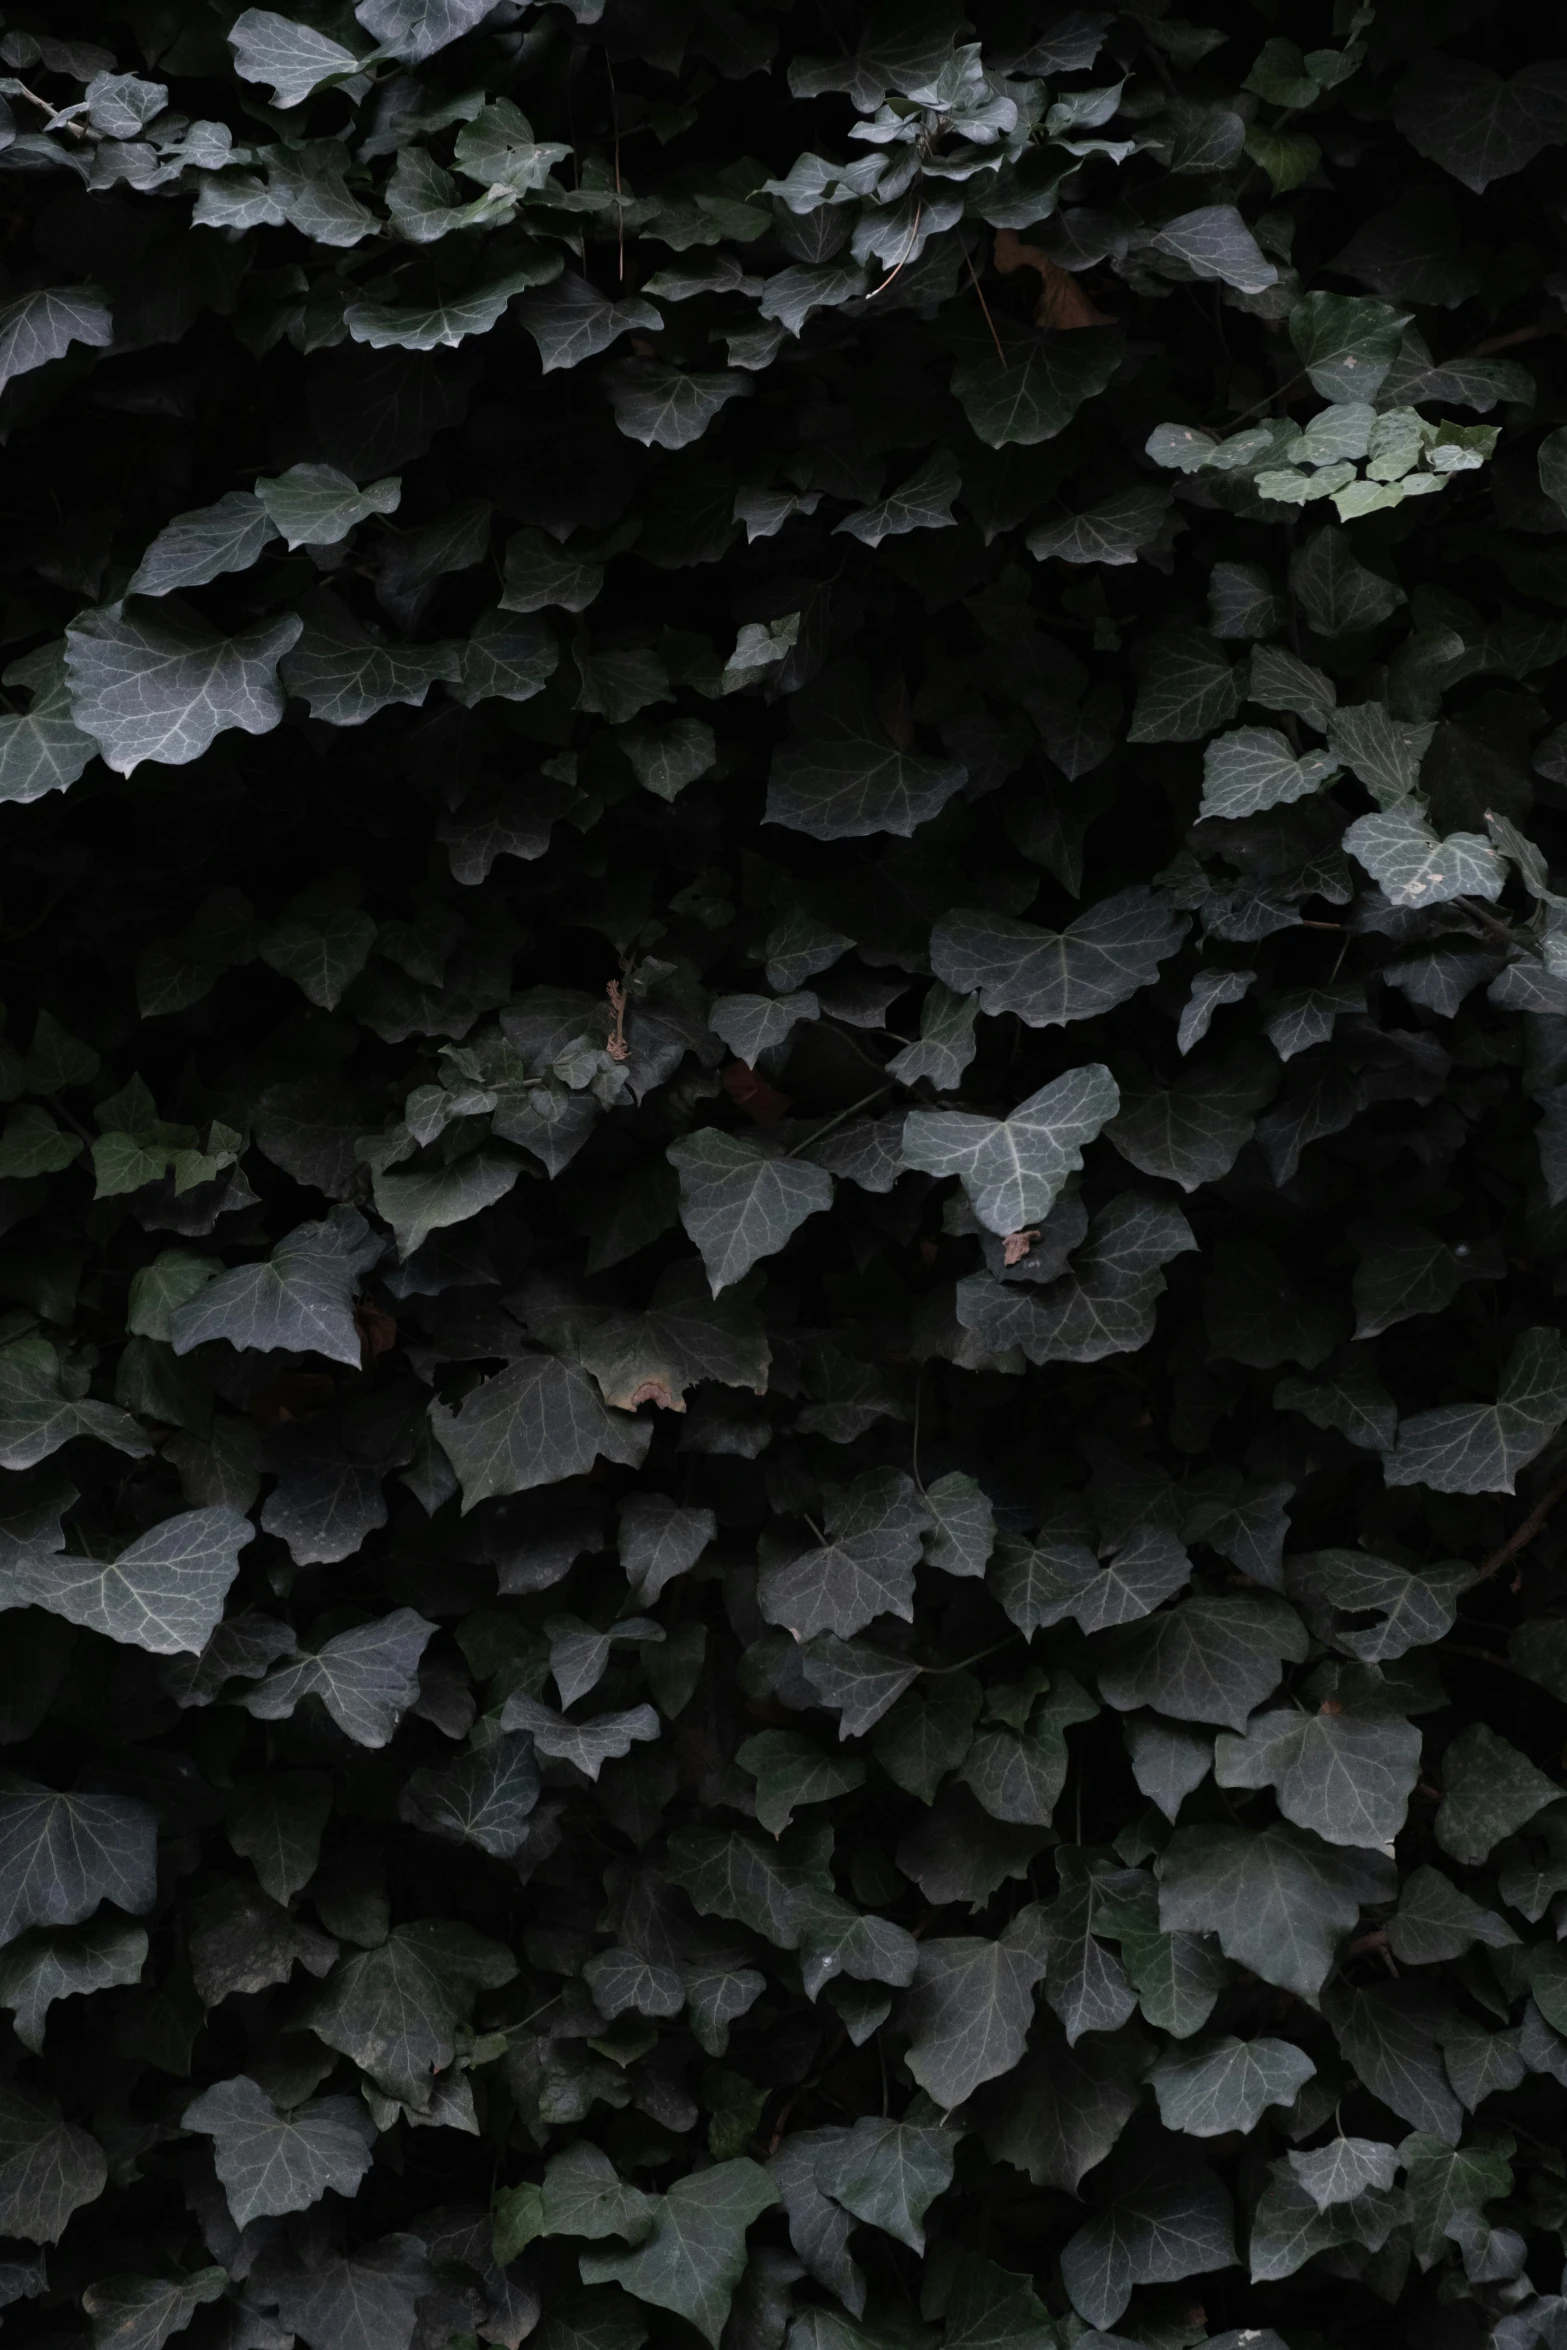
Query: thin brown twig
x=1532 y=1525
x=1519 y=334
x=984 y=305
x=77 y=130
x=907 y=250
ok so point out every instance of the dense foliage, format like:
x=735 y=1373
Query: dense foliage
x=785 y=1149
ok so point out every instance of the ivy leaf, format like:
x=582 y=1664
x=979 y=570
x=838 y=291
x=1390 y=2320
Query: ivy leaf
x=300 y=1299
x=196 y=547
x=922 y=502
x=444 y=321
x=1105 y=1305
x=572 y=321
x=1013 y=1167
x=1036 y=390
x=43 y=750
x=1193 y=1133
x=271 y=2161
x=48 y=2167
x=276 y=1824
x=366 y=1678
x=532 y=1424
x=1480 y=1448
x=1474 y=123
x=1279 y=1899
x=38 y=1414
x=38 y=327
x=395 y=2009
x=695 y=2256
x=142 y=2312
x=752 y=1025
x=1416 y=1606
x=1343 y=2169
x=962 y=1529
x=589 y=1745
x=293 y=58
x=1346 y=343
x=40 y=1968
x=62 y=1854
x=1208 y=1660
x=425 y=1201
x=345 y=676
x=1350 y=1780
x=317 y=505
x=845 y=774
x=164 y=1592
x=1169 y=2218
x=1210 y=990
x=1050 y=977
x=1059 y=2114
x=1389 y=2035
x=484 y=1798
x=1214 y=2086
x=1338 y=593
x=855 y=1680
x=946 y=1041
x=415 y=29
x=1112 y=532
x=789 y=1771
x=864 y=1569
x=584 y=2195
x=1189 y=688
x=1416 y=867
x=1288 y=2228
x=150 y=681
x=1214 y=242
x=663 y=407
x=739 y=1202
x=363 y=2300
x=1254 y=769
x=1382 y=751
x=968 y=2013
x=660 y=1539
x=1492 y=1791
x=888 y=2174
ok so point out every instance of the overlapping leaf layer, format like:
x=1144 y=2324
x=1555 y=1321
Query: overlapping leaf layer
x=783 y=1173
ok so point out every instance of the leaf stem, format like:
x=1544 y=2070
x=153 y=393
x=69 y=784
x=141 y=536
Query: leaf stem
x=839 y=1118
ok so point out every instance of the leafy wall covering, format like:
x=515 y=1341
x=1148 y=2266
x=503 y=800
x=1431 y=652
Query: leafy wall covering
x=783 y=1175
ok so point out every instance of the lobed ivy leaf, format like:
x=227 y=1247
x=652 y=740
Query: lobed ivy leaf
x=1013 y=1168
x=196 y=547
x=37 y=327
x=154 y=682
x=301 y=1298
x=49 y=2168
x=695 y=2256
x=1213 y=2086
x=968 y=2013
x=63 y=1854
x=41 y=1967
x=1279 y=1899
x=888 y=2174
x=739 y=1202
x=366 y=1678
x=846 y=774
x=271 y=2162
x=318 y=505
x=864 y=1568
x=1348 y=1779
x=1051 y=977
x=1480 y=1448
x=164 y=1592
